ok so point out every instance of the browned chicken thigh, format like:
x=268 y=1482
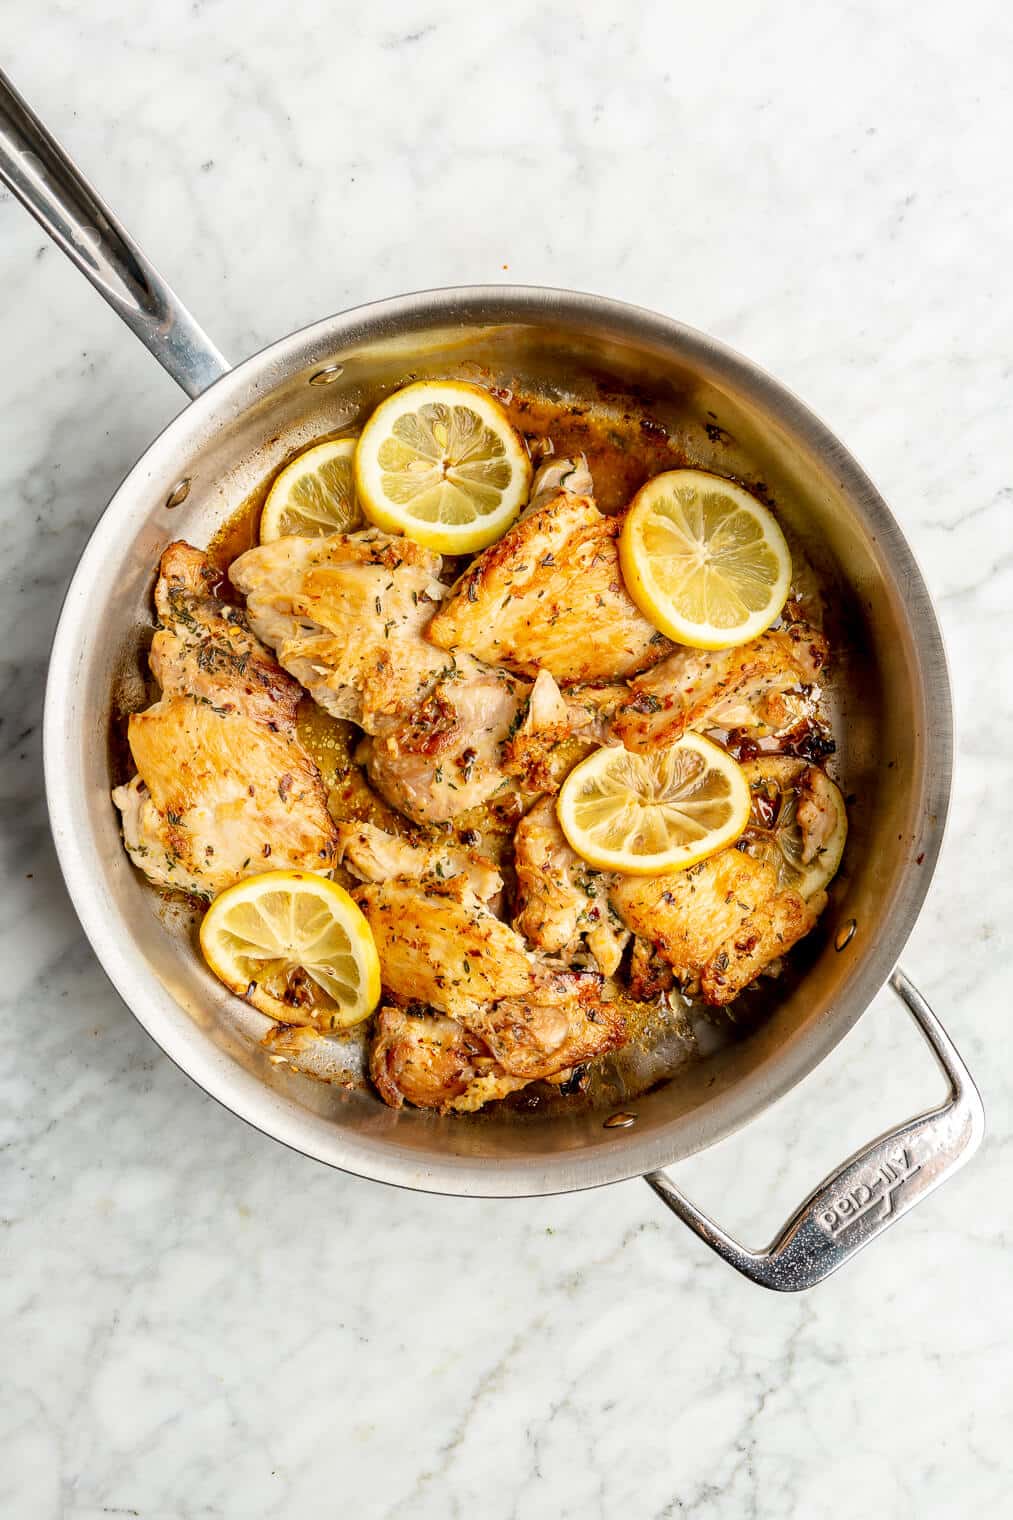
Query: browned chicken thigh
x=561 y=899
x=372 y=854
x=445 y=755
x=719 y=924
x=749 y=686
x=439 y=944
x=345 y=616
x=224 y=789
x=549 y=595
x=441 y=947
x=431 y=1061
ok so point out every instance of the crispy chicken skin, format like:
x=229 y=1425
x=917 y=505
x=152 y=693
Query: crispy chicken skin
x=345 y=616
x=372 y=854
x=224 y=789
x=558 y=728
x=563 y=1024
x=443 y=756
x=769 y=932
x=549 y=595
x=439 y=945
x=560 y=897
x=743 y=687
x=719 y=923
x=431 y=1061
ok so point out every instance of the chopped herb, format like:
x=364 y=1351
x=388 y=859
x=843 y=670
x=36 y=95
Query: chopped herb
x=515 y=723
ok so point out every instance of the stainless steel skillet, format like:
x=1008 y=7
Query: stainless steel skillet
x=892 y=692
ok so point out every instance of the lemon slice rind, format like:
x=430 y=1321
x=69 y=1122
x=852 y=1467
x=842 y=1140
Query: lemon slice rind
x=648 y=815
x=704 y=561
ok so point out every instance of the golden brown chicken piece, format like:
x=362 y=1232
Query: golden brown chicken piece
x=458 y=1065
x=438 y=944
x=561 y=898
x=433 y=1062
x=443 y=755
x=549 y=596
x=224 y=789
x=563 y=1024
x=719 y=923
x=345 y=616
x=745 y=687
x=372 y=854
x=558 y=728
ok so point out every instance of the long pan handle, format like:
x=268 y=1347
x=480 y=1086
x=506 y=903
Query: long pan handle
x=50 y=185
x=872 y=1190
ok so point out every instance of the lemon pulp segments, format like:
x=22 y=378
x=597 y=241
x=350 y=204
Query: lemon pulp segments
x=705 y=562
x=268 y=930
x=649 y=814
x=415 y=475
x=440 y=461
x=314 y=495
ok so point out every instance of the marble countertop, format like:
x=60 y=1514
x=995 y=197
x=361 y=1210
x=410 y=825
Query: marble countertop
x=198 y=1323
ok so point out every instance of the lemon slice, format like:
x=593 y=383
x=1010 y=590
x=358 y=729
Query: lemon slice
x=441 y=462
x=295 y=946
x=798 y=822
x=703 y=560
x=646 y=815
x=314 y=495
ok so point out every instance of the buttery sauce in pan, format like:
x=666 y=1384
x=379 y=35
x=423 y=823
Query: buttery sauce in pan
x=624 y=447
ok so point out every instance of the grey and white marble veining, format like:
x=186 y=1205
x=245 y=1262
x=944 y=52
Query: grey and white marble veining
x=197 y=1323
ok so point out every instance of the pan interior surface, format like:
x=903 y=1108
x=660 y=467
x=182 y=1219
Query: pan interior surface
x=889 y=695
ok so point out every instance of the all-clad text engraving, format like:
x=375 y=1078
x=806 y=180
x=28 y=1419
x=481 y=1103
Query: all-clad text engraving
x=874 y=1193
